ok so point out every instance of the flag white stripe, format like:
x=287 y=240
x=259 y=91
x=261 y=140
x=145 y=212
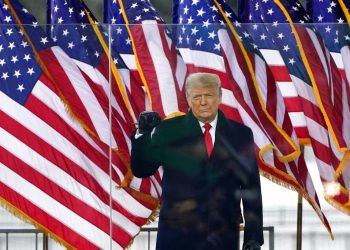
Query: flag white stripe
x=272 y=57
x=326 y=171
x=297 y=119
x=287 y=89
x=338 y=60
x=136 y=183
x=346 y=177
x=317 y=132
x=345 y=54
x=129 y=60
x=260 y=73
x=280 y=109
x=195 y=57
x=346 y=115
x=156 y=185
x=181 y=72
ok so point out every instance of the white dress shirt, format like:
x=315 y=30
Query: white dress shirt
x=212 y=129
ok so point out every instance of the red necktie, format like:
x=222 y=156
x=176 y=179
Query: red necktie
x=207 y=139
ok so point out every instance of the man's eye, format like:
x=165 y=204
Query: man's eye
x=209 y=96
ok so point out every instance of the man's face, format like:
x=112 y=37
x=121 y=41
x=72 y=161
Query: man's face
x=204 y=102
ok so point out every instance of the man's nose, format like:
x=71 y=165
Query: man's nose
x=203 y=100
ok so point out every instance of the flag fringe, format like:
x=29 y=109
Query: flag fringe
x=345 y=208
x=152 y=218
x=141 y=196
x=27 y=219
x=281 y=157
x=315 y=87
x=278 y=181
x=344 y=163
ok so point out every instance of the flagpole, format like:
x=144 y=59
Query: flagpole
x=110 y=152
x=299 y=222
x=300 y=215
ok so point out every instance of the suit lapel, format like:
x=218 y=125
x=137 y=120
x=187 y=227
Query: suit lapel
x=218 y=131
x=194 y=132
x=195 y=135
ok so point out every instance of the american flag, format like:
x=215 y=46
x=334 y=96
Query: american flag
x=121 y=44
x=275 y=62
x=92 y=61
x=330 y=21
x=316 y=82
x=198 y=40
x=121 y=40
x=81 y=44
x=53 y=172
x=74 y=11
x=201 y=35
x=161 y=68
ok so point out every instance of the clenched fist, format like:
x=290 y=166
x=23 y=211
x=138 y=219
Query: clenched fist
x=147 y=121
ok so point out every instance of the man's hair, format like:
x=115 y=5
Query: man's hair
x=203 y=79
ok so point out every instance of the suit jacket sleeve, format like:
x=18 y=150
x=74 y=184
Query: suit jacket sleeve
x=251 y=195
x=145 y=156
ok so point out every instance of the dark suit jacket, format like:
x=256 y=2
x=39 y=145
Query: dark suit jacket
x=200 y=203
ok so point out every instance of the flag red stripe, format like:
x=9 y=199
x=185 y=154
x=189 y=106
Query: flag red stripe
x=280 y=73
x=293 y=104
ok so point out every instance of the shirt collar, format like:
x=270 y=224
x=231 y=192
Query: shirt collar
x=213 y=123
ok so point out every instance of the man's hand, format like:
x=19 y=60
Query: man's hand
x=147 y=121
x=251 y=245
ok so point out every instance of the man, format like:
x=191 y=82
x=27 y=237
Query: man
x=207 y=173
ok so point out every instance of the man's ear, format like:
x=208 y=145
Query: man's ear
x=188 y=102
